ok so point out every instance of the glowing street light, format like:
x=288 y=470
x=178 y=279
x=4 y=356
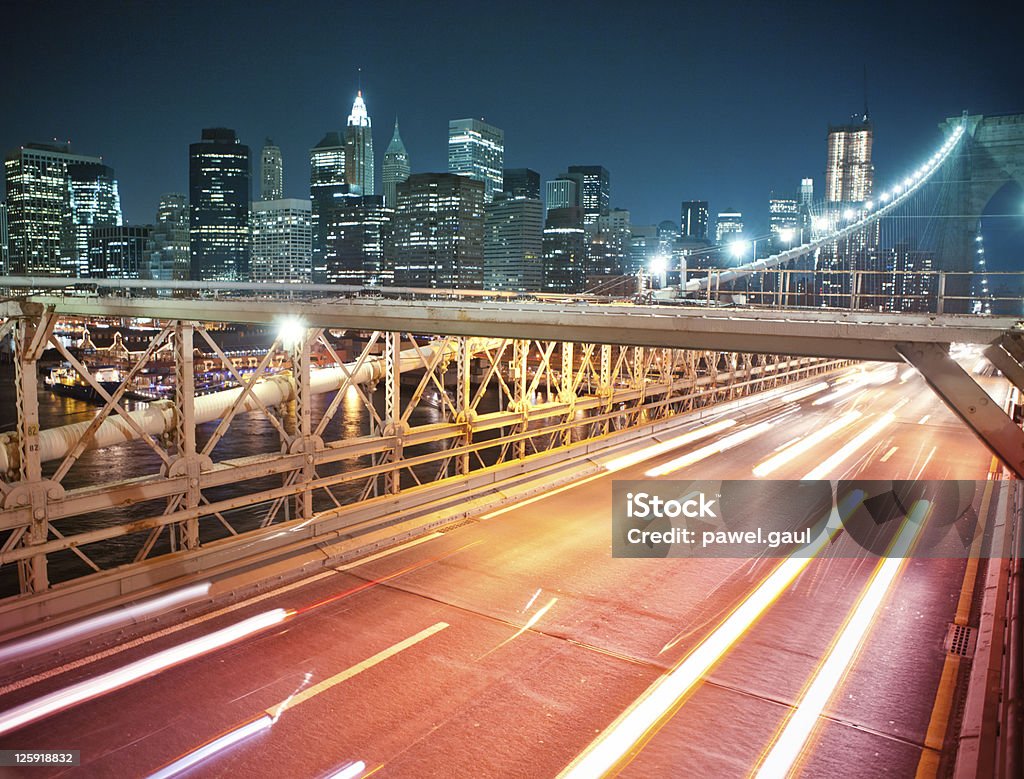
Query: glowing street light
x=738 y=248
x=659 y=264
x=786 y=235
x=291 y=332
x=849 y=214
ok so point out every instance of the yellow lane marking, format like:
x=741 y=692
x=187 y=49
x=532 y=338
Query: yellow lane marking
x=300 y=697
x=928 y=765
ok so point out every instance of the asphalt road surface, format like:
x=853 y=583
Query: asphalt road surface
x=513 y=645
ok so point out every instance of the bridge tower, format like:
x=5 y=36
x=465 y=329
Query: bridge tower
x=992 y=154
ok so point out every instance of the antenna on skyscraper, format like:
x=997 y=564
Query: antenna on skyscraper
x=359 y=80
x=867 y=115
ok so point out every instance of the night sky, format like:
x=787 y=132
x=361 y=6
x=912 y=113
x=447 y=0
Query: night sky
x=681 y=100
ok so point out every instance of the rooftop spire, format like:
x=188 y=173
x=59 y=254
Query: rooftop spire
x=358 y=117
x=396 y=146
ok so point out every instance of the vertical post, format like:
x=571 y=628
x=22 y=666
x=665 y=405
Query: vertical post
x=520 y=352
x=605 y=388
x=185 y=432
x=941 y=302
x=393 y=409
x=300 y=362
x=32 y=572
x=463 y=411
x=567 y=394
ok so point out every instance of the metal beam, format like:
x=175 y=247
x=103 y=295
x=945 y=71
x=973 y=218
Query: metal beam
x=968 y=401
x=826 y=333
x=1006 y=363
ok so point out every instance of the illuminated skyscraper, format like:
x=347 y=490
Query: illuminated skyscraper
x=118 y=252
x=271 y=172
x=168 y=243
x=728 y=226
x=396 y=167
x=693 y=218
x=218 y=221
x=358 y=230
x=562 y=192
x=565 y=250
x=477 y=149
x=282 y=240
x=439 y=232
x=54 y=198
x=595 y=191
x=783 y=215
x=5 y=266
x=326 y=184
x=849 y=175
x=359 y=165
x=513 y=235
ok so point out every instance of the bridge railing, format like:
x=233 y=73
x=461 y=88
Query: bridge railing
x=937 y=292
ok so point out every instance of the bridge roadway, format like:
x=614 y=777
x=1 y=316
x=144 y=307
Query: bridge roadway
x=482 y=696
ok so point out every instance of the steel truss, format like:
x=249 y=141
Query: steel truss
x=432 y=409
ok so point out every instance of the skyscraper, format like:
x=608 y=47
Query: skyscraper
x=118 y=252
x=218 y=220
x=271 y=172
x=396 y=167
x=728 y=226
x=477 y=149
x=358 y=232
x=565 y=250
x=562 y=192
x=595 y=191
x=849 y=175
x=49 y=215
x=438 y=233
x=513 y=237
x=693 y=219
x=5 y=263
x=168 y=242
x=783 y=214
x=609 y=247
x=282 y=240
x=326 y=184
x=359 y=164
x=93 y=201
x=520 y=183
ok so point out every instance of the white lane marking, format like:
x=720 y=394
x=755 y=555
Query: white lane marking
x=887 y=455
x=924 y=419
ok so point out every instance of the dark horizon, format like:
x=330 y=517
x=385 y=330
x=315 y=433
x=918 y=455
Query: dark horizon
x=678 y=103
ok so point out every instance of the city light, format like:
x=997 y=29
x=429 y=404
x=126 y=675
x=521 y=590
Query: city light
x=291 y=332
x=738 y=248
x=885 y=197
x=849 y=214
x=820 y=223
x=659 y=264
x=786 y=234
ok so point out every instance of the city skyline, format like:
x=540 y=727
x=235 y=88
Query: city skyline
x=693 y=141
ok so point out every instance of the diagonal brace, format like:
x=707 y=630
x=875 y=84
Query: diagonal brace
x=968 y=401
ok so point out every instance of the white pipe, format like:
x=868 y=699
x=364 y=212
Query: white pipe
x=158 y=417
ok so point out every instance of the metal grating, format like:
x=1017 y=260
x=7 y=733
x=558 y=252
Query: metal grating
x=960 y=640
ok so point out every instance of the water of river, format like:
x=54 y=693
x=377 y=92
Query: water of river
x=248 y=434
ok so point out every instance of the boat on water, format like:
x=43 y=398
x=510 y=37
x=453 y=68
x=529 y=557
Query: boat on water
x=65 y=380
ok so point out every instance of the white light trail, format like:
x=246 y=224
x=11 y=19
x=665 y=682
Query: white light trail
x=707 y=451
x=869 y=434
x=211 y=748
x=633 y=458
x=635 y=724
x=109 y=619
x=794 y=736
x=140 y=669
x=801 y=446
